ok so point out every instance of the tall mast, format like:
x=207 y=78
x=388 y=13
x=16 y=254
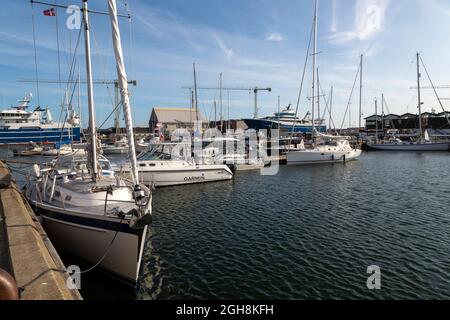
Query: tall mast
x=90 y=93
x=228 y=112
x=215 y=113
x=314 y=66
x=419 y=101
x=382 y=113
x=329 y=109
x=123 y=87
x=79 y=98
x=195 y=94
x=116 y=104
x=360 y=90
x=279 y=109
x=376 y=121
x=318 y=98
x=220 y=102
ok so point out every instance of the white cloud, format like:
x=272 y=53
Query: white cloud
x=275 y=37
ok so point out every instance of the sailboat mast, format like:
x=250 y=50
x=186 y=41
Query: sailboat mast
x=90 y=94
x=220 y=102
x=314 y=66
x=360 y=91
x=79 y=97
x=382 y=113
x=318 y=99
x=195 y=94
x=376 y=121
x=329 y=109
x=215 y=113
x=419 y=101
x=123 y=87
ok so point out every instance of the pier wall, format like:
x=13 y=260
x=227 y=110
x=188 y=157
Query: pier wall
x=27 y=253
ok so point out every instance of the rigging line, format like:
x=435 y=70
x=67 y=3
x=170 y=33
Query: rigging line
x=59 y=63
x=57 y=44
x=103 y=67
x=350 y=98
x=71 y=74
x=74 y=59
x=65 y=7
x=434 y=89
x=109 y=116
x=35 y=54
x=301 y=83
x=387 y=109
x=327 y=108
x=132 y=65
x=70 y=37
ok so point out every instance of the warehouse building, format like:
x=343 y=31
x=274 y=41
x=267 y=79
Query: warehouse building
x=408 y=121
x=166 y=120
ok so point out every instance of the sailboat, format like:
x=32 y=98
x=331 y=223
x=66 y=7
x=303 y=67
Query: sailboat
x=326 y=148
x=100 y=218
x=422 y=144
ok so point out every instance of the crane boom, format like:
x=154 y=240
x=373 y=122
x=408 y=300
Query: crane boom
x=253 y=89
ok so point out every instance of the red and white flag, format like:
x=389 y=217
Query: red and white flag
x=50 y=12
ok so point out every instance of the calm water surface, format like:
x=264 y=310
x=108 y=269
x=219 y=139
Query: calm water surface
x=309 y=232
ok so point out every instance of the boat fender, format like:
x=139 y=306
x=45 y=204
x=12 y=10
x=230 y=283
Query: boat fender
x=8 y=287
x=36 y=170
x=139 y=195
x=332 y=157
x=138 y=223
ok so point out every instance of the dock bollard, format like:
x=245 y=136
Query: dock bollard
x=8 y=287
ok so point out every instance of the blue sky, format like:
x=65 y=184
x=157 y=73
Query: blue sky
x=253 y=43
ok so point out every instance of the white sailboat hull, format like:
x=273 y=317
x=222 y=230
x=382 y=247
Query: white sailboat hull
x=90 y=238
x=172 y=175
x=314 y=156
x=411 y=147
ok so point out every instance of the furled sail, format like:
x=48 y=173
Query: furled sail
x=123 y=86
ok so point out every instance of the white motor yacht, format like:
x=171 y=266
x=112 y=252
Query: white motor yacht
x=169 y=164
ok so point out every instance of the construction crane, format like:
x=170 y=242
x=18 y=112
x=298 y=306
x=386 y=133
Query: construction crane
x=430 y=87
x=435 y=87
x=254 y=90
x=106 y=82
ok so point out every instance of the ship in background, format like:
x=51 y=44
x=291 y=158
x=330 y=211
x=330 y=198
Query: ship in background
x=17 y=125
x=286 y=120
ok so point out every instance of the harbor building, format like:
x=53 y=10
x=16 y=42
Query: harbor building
x=409 y=122
x=166 y=120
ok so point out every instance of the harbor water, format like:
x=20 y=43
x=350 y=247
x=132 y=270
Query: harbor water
x=309 y=232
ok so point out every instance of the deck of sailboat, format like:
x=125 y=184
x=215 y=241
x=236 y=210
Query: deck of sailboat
x=86 y=186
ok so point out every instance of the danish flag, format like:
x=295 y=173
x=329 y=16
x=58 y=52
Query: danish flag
x=50 y=12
